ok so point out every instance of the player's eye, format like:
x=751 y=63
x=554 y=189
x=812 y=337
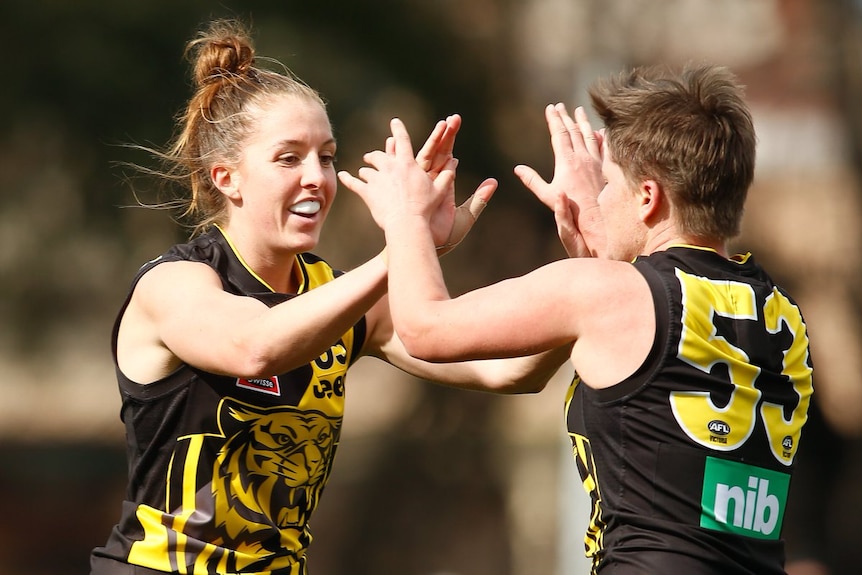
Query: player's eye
x=289 y=159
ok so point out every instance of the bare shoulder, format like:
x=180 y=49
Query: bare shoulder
x=165 y=291
x=592 y=282
x=612 y=305
x=599 y=293
x=175 y=278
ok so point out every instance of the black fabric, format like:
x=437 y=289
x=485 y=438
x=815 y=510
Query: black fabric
x=660 y=451
x=224 y=472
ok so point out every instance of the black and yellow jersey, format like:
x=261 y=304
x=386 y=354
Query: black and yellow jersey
x=688 y=461
x=224 y=472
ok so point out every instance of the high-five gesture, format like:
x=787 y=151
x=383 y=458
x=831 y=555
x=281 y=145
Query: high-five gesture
x=426 y=184
x=393 y=184
x=572 y=193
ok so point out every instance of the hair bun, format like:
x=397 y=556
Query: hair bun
x=223 y=50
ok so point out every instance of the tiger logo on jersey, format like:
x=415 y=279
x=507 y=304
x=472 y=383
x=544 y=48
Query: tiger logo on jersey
x=272 y=467
x=268 y=473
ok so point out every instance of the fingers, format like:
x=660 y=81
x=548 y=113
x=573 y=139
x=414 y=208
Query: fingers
x=590 y=138
x=573 y=129
x=425 y=157
x=528 y=176
x=565 y=216
x=403 y=145
x=364 y=175
x=444 y=181
x=447 y=143
x=354 y=184
x=569 y=134
x=439 y=146
x=566 y=227
x=466 y=215
x=560 y=128
x=350 y=181
x=376 y=158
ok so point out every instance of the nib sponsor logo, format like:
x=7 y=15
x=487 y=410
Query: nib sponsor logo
x=264 y=385
x=743 y=499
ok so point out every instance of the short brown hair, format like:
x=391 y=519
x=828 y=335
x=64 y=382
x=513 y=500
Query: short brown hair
x=690 y=131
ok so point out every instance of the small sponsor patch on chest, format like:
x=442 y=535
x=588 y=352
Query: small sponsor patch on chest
x=262 y=384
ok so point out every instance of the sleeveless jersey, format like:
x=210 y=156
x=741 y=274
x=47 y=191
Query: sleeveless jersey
x=688 y=461
x=224 y=472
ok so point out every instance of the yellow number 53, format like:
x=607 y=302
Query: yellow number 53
x=783 y=407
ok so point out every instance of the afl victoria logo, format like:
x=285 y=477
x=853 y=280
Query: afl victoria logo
x=718 y=427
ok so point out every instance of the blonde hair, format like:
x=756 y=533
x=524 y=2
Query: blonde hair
x=217 y=120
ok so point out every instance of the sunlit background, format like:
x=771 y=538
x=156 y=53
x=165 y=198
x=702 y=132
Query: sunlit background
x=428 y=481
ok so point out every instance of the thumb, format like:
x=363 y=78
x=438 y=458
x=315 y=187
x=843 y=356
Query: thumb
x=528 y=176
x=536 y=184
x=467 y=213
x=480 y=198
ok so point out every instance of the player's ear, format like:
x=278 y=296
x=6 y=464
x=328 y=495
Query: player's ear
x=226 y=179
x=652 y=199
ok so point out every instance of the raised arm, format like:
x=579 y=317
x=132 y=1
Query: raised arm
x=579 y=304
x=530 y=370
x=404 y=201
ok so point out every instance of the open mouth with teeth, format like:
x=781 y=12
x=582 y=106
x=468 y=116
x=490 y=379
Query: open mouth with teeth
x=305 y=208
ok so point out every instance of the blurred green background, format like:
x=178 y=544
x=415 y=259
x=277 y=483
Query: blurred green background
x=428 y=480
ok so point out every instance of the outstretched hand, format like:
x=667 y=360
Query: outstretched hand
x=572 y=193
x=396 y=185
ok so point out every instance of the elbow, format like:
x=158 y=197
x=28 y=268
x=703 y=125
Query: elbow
x=519 y=386
x=527 y=374
x=254 y=359
x=256 y=367
x=493 y=378
x=428 y=345
x=259 y=368
x=529 y=386
x=419 y=336
x=426 y=333
x=418 y=345
x=526 y=387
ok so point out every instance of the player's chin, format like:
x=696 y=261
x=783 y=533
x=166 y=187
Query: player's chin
x=306 y=242
x=304 y=229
